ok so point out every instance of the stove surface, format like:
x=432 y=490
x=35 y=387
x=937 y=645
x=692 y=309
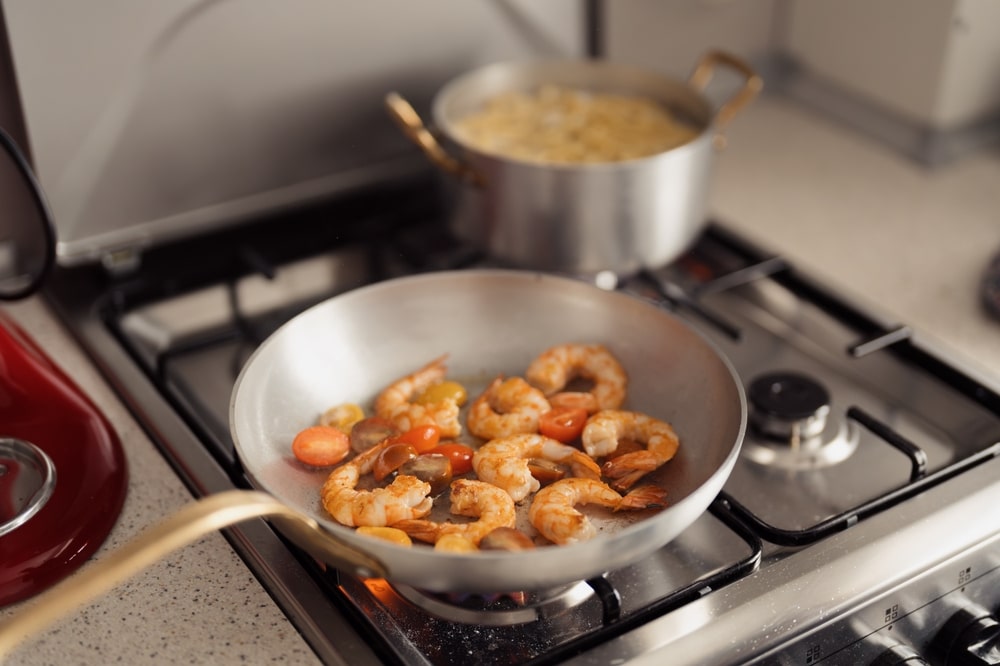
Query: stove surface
x=856 y=426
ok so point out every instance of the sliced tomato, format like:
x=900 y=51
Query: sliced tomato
x=422 y=438
x=342 y=417
x=391 y=458
x=391 y=534
x=441 y=392
x=321 y=446
x=563 y=423
x=460 y=456
x=368 y=432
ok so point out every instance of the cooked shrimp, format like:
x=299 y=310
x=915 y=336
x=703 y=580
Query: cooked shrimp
x=554 y=515
x=492 y=506
x=504 y=462
x=394 y=404
x=406 y=497
x=507 y=407
x=606 y=428
x=556 y=367
x=575 y=400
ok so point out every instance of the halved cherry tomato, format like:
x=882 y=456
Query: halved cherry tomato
x=546 y=471
x=390 y=459
x=368 y=432
x=442 y=391
x=422 y=438
x=342 y=417
x=433 y=468
x=460 y=456
x=455 y=543
x=391 y=534
x=563 y=423
x=321 y=446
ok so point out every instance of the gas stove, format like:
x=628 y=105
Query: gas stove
x=857 y=527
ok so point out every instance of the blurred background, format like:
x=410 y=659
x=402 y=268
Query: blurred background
x=163 y=117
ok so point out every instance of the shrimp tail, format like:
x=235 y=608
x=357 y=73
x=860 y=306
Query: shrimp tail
x=585 y=467
x=626 y=470
x=643 y=497
x=421 y=530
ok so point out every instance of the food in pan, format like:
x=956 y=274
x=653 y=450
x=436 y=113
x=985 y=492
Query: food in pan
x=556 y=124
x=519 y=455
x=553 y=510
x=554 y=369
x=489 y=505
x=406 y=497
x=505 y=462
x=606 y=429
x=321 y=445
x=507 y=407
x=396 y=403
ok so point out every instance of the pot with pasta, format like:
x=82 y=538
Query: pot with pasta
x=579 y=166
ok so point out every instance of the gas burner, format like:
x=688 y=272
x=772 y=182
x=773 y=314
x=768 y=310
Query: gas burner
x=497 y=610
x=790 y=425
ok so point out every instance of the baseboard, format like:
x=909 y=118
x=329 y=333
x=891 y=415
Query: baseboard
x=927 y=145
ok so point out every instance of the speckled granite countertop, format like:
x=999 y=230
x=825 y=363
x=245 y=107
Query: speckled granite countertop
x=908 y=241
x=200 y=605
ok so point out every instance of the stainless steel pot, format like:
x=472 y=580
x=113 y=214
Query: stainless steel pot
x=586 y=218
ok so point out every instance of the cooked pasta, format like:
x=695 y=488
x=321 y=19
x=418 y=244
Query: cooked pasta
x=568 y=126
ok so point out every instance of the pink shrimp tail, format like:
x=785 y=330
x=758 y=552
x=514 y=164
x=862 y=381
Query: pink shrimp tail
x=627 y=469
x=643 y=497
x=421 y=530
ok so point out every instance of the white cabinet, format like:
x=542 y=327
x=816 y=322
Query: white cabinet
x=933 y=62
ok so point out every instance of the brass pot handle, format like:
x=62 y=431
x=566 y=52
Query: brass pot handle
x=409 y=120
x=703 y=73
x=182 y=528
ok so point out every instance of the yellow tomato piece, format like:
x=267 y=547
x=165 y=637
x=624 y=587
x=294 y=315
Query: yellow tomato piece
x=342 y=417
x=443 y=391
x=392 y=534
x=455 y=543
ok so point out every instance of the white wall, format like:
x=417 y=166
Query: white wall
x=669 y=36
x=934 y=62
x=970 y=85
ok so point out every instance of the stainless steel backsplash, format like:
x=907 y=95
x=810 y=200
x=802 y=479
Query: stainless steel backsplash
x=153 y=120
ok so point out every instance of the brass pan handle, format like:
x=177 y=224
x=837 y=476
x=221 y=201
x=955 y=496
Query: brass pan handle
x=182 y=528
x=703 y=73
x=409 y=120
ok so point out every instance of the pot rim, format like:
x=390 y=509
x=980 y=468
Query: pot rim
x=679 y=96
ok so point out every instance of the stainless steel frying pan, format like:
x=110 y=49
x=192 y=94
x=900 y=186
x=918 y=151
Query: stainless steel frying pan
x=488 y=322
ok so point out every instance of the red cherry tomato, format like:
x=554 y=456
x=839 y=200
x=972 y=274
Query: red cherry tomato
x=563 y=423
x=422 y=438
x=368 y=432
x=390 y=459
x=321 y=446
x=460 y=456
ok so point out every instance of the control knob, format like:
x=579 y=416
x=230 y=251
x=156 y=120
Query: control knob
x=970 y=637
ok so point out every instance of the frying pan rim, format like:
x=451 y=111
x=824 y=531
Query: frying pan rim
x=376 y=546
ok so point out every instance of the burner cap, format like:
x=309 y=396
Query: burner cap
x=788 y=395
x=788 y=405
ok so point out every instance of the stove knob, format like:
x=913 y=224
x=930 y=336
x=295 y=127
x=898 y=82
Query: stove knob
x=970 y=637
x=900 y=655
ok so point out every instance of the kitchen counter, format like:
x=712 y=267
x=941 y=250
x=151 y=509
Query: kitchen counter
x=909 y=241
x=200 y=605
